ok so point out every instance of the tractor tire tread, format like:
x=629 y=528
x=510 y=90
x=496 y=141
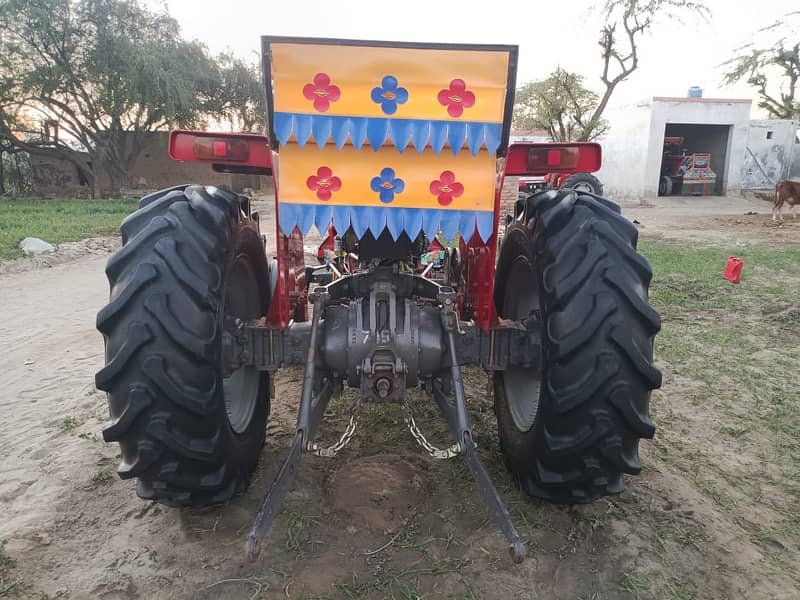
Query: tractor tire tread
x=166 y=407
x=597 y=332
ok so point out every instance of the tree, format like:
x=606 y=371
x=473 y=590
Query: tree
x=761 y=65
x=241 y=100
x=99 y=76
x=625 y=23
x=561 y=105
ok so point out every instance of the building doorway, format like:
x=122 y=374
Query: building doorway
x=694 y=160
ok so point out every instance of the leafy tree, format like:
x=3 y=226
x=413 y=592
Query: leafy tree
x=99 y=75
x=761 y=65
x=559 y=104
x=241 y=100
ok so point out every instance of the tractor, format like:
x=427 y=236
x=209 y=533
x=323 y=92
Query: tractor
x=391 y=149
x=583 y=182
x=684 y=173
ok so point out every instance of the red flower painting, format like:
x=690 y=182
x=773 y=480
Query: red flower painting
x=456 y=98
x=446 y=188
x=321 y=92
x=324 y=183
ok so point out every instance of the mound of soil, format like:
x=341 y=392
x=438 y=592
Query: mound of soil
x=380 y=492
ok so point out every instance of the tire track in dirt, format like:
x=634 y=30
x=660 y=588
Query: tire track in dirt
x=48 y=359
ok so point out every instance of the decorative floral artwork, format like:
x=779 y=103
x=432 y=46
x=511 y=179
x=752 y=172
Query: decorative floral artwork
x=324 y=183
x=380 y=138
x=446 y=188
x=456 y=98
x=387 y=185
x=321 y=92
x=389 y=95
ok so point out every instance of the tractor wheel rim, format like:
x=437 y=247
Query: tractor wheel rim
x=584 y=187
x=241 y=303
x=522 y=384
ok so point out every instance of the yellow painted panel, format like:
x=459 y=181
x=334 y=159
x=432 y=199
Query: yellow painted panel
x=354 y=171
x=356 y=70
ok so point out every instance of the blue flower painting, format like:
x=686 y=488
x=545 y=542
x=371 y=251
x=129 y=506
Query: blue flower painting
x=387 y=185
x=389 y=95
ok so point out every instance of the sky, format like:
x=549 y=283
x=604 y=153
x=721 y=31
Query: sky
x=674 y=57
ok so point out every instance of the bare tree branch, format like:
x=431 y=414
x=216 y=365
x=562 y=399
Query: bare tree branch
x=775 y=65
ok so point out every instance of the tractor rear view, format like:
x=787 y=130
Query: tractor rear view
x=391 y=149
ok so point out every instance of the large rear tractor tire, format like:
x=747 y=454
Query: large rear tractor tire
x=191 y=268
x=570 y=425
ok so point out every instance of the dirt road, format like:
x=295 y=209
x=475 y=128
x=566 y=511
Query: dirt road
x=77 y=531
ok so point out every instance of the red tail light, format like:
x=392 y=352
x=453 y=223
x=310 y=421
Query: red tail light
x=216 y=149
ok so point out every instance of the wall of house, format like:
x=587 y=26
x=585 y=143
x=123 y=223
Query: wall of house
x=772 y=152
x=153 y=170
x=536 y=136
x=625 y=151
x=794 y=166
x=52 y=177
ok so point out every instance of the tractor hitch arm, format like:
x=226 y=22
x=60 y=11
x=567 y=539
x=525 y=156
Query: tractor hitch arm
x=460 y=427
x=312 y=407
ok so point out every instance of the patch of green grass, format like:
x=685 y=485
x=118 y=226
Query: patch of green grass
x=652 y=584
x=668 y=525
x=101 y=475
x=57 y=221
x=69 y=424
x=714 y=332
x=297 y=532
x=7 y=585
x=679 y=591
x=406 y=537
x=401 y=583
x=713 y=489
x=637 y=583
x=788 y=527
x=689 y=277
x=6 y=562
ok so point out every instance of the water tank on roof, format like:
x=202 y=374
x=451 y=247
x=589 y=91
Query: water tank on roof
x=695 y=92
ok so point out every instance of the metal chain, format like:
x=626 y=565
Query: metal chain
x=435 y=452
x=408 y=416
x=334 y=449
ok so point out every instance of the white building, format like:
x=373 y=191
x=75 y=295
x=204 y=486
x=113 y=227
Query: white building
x=744 y=154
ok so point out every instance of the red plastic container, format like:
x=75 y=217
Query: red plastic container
x=733 y=269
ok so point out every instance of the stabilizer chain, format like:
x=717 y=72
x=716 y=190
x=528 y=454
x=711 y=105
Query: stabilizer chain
x=349 y=431
x=432 y=450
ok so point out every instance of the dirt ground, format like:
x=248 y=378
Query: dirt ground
x=382 y=520
x=731 y=219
